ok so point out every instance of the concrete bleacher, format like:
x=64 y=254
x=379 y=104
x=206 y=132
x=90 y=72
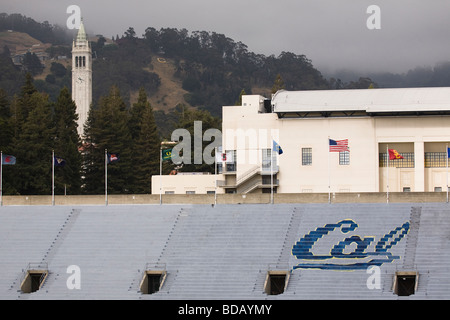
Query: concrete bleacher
x=223 y=251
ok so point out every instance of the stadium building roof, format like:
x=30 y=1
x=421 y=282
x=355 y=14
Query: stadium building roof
x=319 y=251
x=357 y=102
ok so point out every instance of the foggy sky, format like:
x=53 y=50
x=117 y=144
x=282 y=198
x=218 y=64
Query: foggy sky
x=331 y=33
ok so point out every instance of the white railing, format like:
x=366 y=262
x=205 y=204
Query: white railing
x=248 y=174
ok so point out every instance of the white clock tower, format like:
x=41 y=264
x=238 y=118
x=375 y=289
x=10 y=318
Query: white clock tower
x=82 y=76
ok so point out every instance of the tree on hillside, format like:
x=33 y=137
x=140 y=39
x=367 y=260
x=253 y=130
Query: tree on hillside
x=11 y=79
x=32 y=147
x=32 y=64
x=66 y=145
x=23 y=105
x=146 y=144
x=278 y=84
x=137 y=112
x=187 y=119
x=239 y=101
x=107 y=128
x=6 y=133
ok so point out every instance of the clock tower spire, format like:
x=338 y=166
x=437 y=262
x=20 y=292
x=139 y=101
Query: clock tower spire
x=81 y=76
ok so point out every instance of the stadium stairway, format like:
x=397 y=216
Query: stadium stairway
x=226 y=251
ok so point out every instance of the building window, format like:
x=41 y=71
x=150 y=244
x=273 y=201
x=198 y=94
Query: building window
x=190 y=192
x=231 y=163
x=344 y=157
x=406 y=162
x=266 y=162
x=306 y=156
x=406 y=189
x=437 y=189
x=435 y=159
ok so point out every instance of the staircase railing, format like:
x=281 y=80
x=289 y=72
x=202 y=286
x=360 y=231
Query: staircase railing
x=248 y=174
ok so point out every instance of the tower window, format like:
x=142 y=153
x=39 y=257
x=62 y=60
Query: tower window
x=405 y=283
x=76 y=62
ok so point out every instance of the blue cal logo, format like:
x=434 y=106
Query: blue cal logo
x=302 y=248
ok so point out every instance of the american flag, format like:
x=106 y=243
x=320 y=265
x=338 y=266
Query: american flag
x=338 y=145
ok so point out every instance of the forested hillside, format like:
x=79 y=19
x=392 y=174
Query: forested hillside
x=212 y=69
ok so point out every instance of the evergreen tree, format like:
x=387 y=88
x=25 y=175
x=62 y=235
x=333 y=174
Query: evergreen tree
x=187 y=121
x=33 y=148
x=239 y=102
x=137 y=112
x=22 y=105
x=278 y=84
x=6 y=135
x=92 y=166
x=146 y=146
x=5 y=126
x=66 y=145
x=107 y=128
x=32 y=63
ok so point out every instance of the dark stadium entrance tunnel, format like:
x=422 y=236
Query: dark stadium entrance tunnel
x=276 y=282
x=405 y=283
x=152 y=281
x=33 y=280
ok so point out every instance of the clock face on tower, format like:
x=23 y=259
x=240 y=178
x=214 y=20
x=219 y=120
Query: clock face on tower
x=80 y=80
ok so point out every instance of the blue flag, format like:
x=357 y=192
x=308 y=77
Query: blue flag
x=277 y=148
x=448 y=152
x=7 y=159
x=113 y=157
x=59 y=162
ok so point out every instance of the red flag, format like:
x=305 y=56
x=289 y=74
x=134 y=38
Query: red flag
x=393 y=154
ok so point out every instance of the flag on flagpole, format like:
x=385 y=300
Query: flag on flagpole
x=166 y=154
x=8 y=160
x=112 y=157
x=276 y=147
x=448 y=152
x=393 y=154
x=59 y=162
x=221 y=157
x=338 y=145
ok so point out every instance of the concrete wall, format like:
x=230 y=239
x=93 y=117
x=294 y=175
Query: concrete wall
x=182 y=183
x=367 y=197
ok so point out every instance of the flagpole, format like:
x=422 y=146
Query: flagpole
x=106 y=177
x=160 y=174
x=446 y=154
x=1 y=178
x=271 y=173
x=53 y=177
x=215 y=174
x=329 y=180
x=387 y=182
